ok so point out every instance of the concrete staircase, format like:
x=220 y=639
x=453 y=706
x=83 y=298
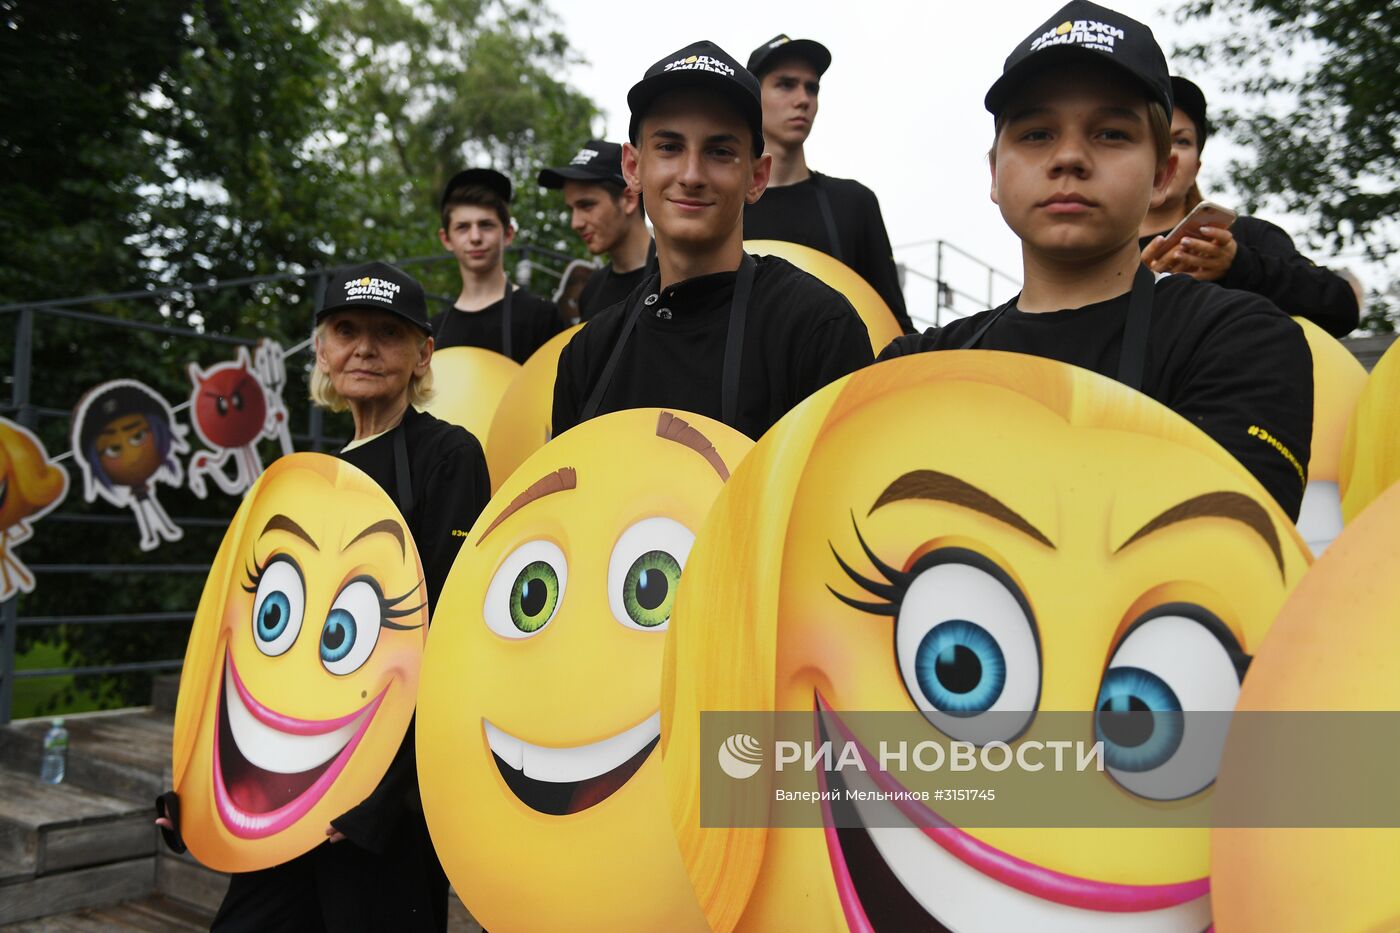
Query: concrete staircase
x=85 y=854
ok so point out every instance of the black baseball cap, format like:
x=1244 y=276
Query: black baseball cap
x=781 y=46
x=1083 y=30
x=598 y=160
x=488 y=178
x=377 y=286
x=700 y=64
x=1191 y=100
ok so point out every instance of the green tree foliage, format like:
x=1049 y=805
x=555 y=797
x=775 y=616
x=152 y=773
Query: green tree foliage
x=174 y=143
x=1321 y=79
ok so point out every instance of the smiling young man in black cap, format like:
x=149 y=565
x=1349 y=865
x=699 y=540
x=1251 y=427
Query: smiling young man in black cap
x=607 y=216
x=838 y=216
x=1082 y=147
x=489 y=312
x=714 y=331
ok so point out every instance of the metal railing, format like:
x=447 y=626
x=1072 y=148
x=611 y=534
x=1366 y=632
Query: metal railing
x=947 y=294
x=26 y=410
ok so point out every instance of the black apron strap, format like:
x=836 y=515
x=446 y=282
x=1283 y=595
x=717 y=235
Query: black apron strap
x=595 y=398
x=981 y=332
x=828 y=218
x=505 y=320
x=734 y=341
x=402 y=476
x=1132 y=359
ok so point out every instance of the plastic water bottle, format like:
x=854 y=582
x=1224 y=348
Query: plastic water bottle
x=55 y=760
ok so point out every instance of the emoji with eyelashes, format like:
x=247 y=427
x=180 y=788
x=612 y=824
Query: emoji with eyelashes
x=1333 y=655
x=538 y=715
x=302 y=666
x=975 y=538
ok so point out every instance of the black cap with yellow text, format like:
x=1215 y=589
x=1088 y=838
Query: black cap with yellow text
x=1191 y=100
x=1081 y=31
x=376 y=286
x=704 y=65
x=782 y=46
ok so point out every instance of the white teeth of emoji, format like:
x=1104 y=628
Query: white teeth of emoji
x=277 y=751
x=570 y=765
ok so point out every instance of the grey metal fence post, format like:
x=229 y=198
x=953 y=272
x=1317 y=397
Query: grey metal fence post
x=938 y=300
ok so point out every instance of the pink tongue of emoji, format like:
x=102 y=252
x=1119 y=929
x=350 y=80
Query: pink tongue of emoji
x=254 y=790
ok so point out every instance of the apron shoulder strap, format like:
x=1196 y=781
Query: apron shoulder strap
x=828 y=218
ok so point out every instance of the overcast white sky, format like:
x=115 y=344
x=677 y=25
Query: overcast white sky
x=901 y=106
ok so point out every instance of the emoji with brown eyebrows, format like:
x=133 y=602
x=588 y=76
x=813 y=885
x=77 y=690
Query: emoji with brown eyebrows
x=973 y=538
x=302 y=667
x=30 y=486
x=538 y=717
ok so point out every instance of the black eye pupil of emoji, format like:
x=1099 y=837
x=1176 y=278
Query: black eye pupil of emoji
x=651 y=588
x=1129 y=727
x=533 y=597
x=271 y=616
x=222 y=404
x=334 y=635
x=959 y=669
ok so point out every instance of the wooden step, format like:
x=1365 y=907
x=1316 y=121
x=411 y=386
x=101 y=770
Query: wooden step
x=182 y=878
x=67 y=891
x=121 y=752
x=55 y=827
x=151 y=915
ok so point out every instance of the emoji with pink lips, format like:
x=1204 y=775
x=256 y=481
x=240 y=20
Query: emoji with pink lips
x=966 y=541
x=302 y=667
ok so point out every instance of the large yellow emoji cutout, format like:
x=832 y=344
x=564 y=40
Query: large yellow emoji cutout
x=302 y=666
x=1371 y=454
x=874 y=313
x=1333 y=655
x=975 y=538
x=538 y=716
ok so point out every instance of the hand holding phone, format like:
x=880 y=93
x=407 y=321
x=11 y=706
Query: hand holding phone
x=1205 y=214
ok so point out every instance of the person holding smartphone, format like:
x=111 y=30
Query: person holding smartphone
x=1251 y=254
x=1082 y=146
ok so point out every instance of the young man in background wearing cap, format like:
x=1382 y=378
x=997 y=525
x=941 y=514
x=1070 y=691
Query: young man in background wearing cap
x=489 y=312
x=1082 y=119
x=838 y=216
x=713 y=331
x=607 y=216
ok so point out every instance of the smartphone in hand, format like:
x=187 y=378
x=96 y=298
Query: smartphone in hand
x=1205 y=214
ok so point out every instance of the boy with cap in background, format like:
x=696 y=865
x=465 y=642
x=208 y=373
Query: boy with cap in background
x=489 y=312
x=713 y=330
x=838 y=216
x=1082 y=147
x=607 y=216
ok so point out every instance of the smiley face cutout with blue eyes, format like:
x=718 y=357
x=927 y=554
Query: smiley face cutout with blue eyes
x=302 y=667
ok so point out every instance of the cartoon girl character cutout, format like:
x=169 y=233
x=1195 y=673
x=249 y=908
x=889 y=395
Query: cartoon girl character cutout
x=30 y=486
x=125 y=440
x=234 y=405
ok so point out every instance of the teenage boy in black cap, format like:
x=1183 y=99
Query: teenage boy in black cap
x=489 y=311
x=1082 y=117
x=838 y=216
x=607 y=216
x=714 y=331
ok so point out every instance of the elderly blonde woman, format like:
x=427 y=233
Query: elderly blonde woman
x=374 y=349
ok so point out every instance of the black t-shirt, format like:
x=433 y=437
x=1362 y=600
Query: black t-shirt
x=606 y=287
x=800 y=334
x=450 y=486
x=1229 y=362
x=1267 y=263
x=791 y=213
x=533 y=321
